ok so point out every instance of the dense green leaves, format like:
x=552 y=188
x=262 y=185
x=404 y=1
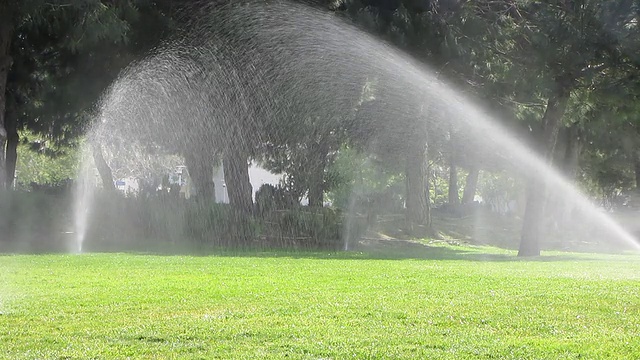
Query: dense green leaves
x=561 y=74
x=65 y=53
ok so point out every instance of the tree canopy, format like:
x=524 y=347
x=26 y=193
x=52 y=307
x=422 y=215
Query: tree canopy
x=223 y=83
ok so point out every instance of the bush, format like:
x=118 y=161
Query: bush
x=312 y=228
x=34 y=221
x=119 y=222
x=42 y=221
x=270 y=198
x=218 y=224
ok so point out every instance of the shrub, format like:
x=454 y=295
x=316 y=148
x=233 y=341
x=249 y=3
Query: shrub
x=43 y=221
x=270 y=198
x=34 y=221
x=119 y=222
x=314 y=228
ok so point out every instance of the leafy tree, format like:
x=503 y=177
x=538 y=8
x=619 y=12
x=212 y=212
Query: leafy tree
x=434 y=32
x=566 y=44
x=362 y=184
x=66 y=53
x=43 y=163
x=39 y=41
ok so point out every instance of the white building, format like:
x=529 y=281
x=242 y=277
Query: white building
x=257 y=176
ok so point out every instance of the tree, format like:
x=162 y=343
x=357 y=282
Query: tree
x=471 y=184
x=278 y=106
x=396 y=132
x=417 y=198
x=424 y=30
x=30 y=37
x=566 y=44
x=453 y=196
x=6 y=35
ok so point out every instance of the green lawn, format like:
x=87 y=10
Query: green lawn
x=445 y=302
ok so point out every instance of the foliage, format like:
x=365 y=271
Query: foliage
x=34 y=221
x=161 y=218
x=307 y=228
x=52 y=43
x=439 y=189
x=43 y=163
x=270 y=198
x=43 y=219
x=64 y=55
x=501 y=192
x=361 y=181
x=519 y=57
x=608 y=177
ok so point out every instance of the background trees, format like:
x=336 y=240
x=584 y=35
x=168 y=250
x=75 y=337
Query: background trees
x=39 y=44
x=59 y=57
x=561 y=74
x=571 y=46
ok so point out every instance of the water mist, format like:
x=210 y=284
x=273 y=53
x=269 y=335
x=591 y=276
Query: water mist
x=242 y=65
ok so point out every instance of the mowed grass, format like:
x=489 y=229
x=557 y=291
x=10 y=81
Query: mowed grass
x=320 y=306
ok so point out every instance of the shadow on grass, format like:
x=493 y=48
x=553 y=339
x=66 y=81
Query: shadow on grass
x=368 y=249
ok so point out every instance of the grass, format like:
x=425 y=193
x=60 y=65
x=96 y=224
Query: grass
x=450 y=305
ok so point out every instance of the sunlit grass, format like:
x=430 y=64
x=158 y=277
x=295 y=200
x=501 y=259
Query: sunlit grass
x=315 y=306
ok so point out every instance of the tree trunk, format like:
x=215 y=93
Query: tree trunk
x=570 y=164
x=536 y=187
x=13 y=138
x=417 y=182
x=201 y=173
x=454 y=200
x=453 y=197
x=636 y=167
x=572 y=153
x=316 y=179
x=103 y=168
x=562 y=145
x=6 y=32
x=236 y=178
x=471 y=185
x=555 y=205
x=532 y=221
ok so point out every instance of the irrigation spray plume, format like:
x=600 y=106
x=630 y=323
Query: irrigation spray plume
x=241 y=65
